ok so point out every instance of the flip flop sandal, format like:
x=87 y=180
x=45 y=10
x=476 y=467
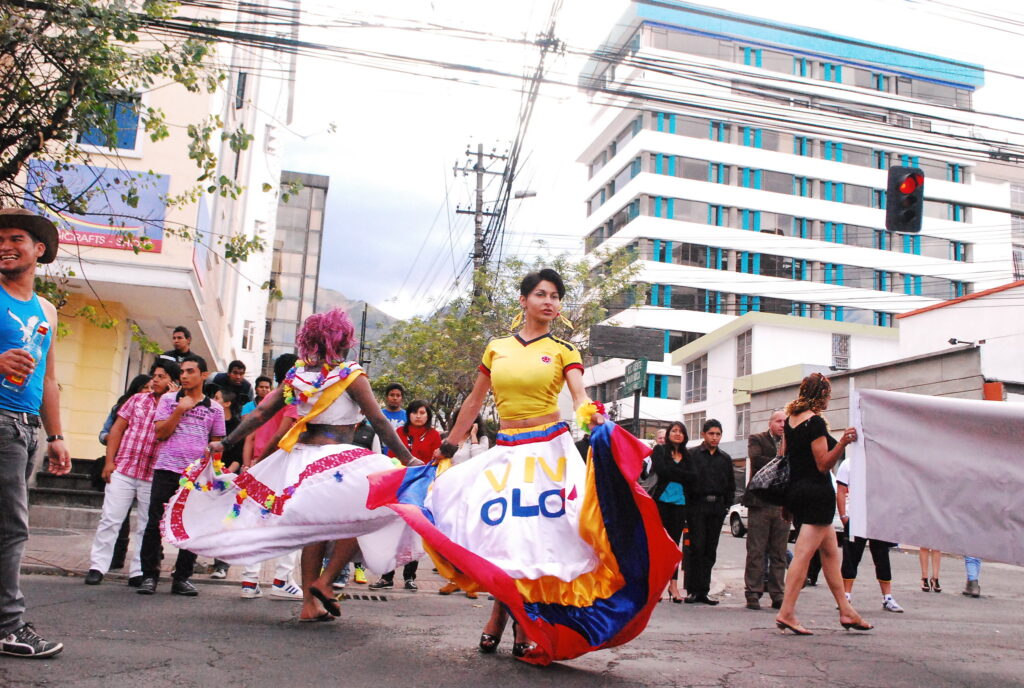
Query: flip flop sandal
x=323 y=617
x=330 y=604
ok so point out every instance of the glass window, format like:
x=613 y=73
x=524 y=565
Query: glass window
x=834 y=191
x=803 y=145
x=833 y=151
x=718 y=131
x=665 y=122
x=291 y=263
x=802 y=187
x=290 y=286
x=697 y=380
x=775 y=61
x=752 y=57
x=957 y=212
x=801 y=66
x=777 y=182
x=123 y=114
x=694 y=422
x=286 y=309
x=801 y=227
x=283 y=332
x=718 y=173
x=316 y=218
x=744 y=353
x=832 y=72
x=1017 y=195
x=840 y=351
x=955 y=173
x=742 y=421
x=751 y=137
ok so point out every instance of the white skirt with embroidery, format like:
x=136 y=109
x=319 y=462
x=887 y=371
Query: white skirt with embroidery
x=290 y=499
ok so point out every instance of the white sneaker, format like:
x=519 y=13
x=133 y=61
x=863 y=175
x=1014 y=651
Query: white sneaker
x=889 y=605
x=288 y=591
x=251 y=593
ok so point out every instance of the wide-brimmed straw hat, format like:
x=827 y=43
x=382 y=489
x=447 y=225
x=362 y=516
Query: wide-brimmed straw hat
x=36 y=225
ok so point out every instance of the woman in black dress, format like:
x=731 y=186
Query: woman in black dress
x=811 y=500
x=676 y=474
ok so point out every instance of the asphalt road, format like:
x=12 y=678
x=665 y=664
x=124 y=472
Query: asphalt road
x=117 y=638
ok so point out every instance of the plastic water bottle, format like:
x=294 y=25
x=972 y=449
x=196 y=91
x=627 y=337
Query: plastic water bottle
x=34 y=347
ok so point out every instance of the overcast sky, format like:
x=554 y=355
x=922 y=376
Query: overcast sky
x=392 y=234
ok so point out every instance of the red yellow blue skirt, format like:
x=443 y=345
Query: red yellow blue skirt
x=575 y=550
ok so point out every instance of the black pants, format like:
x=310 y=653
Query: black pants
x=673 y=519
x=165 y=484
x=408 y=572
x=705 y=523
x=853 y=550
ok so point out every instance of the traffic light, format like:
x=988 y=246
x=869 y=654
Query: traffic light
x=904 y=200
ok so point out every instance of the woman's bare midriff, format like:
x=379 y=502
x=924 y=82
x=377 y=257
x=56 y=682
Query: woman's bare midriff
x=552 y=417
x=319 y=435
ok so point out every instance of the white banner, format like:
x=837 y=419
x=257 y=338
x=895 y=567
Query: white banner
x=936 y=472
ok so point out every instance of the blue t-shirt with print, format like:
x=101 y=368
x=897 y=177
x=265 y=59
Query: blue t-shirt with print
x=397 y=420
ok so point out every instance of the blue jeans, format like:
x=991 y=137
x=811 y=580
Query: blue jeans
x=973 y=566
x=18 y=442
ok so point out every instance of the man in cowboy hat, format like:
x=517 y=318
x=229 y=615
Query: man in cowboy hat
x=29 y=397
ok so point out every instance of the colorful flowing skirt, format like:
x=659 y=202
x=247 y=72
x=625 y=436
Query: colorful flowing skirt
x=576 y=551
x=290 y=499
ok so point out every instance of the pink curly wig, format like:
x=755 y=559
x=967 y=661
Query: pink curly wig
x=325 y=337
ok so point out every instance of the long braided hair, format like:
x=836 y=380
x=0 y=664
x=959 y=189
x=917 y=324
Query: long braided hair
x=813 y=396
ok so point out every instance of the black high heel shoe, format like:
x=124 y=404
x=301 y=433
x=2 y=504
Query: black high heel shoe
x=521 y=649
x=489 y=643
x=935 y=585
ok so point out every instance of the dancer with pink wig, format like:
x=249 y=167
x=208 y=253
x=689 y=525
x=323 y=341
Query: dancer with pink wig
x=310 y=491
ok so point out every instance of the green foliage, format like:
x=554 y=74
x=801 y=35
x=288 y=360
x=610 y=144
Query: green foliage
x=147 y=345
x=436 y=357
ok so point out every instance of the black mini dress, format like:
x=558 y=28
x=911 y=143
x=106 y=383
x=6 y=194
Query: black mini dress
x=811 y=497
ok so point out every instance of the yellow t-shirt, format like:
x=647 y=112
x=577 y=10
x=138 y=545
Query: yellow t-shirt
x=527 y=376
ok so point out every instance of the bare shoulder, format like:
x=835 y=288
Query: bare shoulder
x=48 y=309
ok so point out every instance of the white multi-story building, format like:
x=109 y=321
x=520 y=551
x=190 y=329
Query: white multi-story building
x=759 y=350
x=744 y=163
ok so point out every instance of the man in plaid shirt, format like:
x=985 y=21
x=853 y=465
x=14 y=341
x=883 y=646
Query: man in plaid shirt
x=128 y=472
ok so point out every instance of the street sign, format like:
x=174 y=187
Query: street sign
x=627 y=342
x=636 y=377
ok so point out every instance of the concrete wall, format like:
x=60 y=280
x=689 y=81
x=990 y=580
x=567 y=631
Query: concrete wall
x=91 y=366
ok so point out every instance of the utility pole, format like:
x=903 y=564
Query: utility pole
x=478 y=212
x=364 y=361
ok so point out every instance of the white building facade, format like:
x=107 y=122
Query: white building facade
x=744 y=163
x=756 y=350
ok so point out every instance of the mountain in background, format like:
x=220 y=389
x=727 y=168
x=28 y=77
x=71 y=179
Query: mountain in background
x=378 y=323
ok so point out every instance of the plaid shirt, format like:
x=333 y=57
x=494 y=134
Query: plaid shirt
x=137 y=451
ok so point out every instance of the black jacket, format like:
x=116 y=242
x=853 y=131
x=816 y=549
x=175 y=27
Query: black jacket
x=668 y=471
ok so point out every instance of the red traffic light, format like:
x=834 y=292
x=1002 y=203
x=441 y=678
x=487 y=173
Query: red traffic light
x=910 y=184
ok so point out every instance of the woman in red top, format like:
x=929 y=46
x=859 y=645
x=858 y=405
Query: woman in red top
x=418 y=432
x=422 y=440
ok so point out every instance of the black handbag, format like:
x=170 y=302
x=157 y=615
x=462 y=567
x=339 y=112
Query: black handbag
x=771 y=483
